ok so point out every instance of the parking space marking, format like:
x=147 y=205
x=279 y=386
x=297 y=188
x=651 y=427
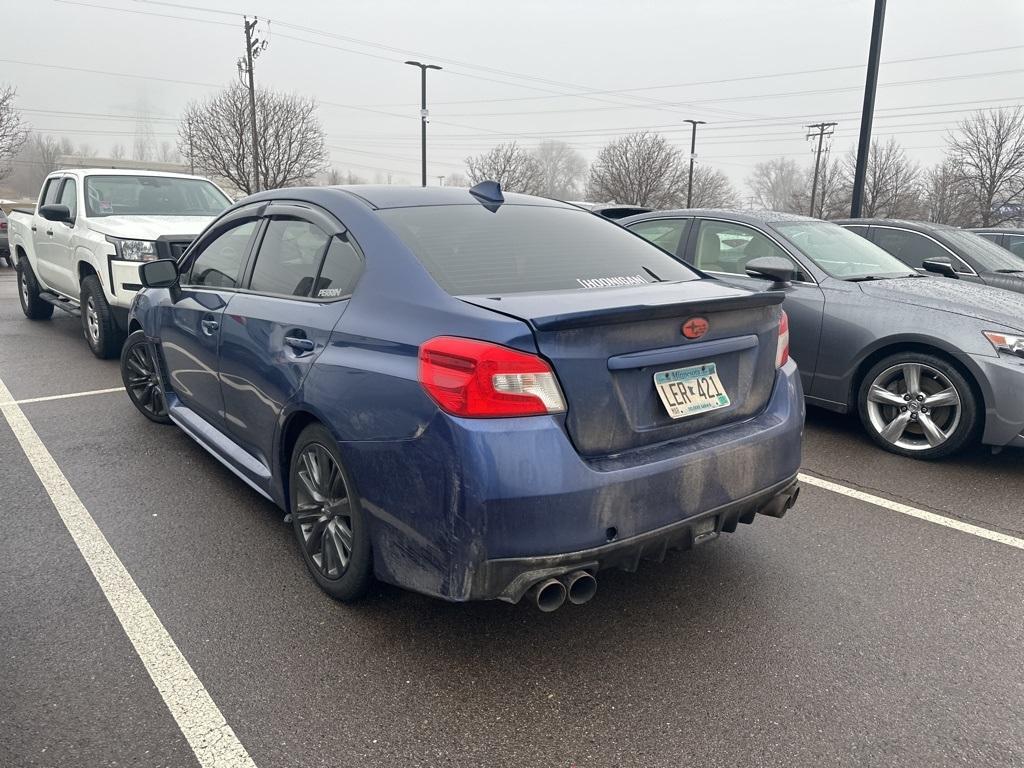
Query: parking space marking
x=212 y=740
x=920 y=514
x=47 y=398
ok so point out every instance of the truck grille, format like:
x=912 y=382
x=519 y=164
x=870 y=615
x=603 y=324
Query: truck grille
x=172 y=247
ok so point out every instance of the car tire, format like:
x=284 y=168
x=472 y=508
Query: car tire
x=332 y=534
x=28 y=293
x=141 y=377
x=919 y=405
x=98 y=325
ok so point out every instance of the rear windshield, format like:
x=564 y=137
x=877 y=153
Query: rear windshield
x=525 y=248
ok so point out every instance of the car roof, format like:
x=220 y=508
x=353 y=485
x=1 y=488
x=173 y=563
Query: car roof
x=1000 y=230
x=121 y=172
x=393 y=196
x=743 y=217
x=923 y=226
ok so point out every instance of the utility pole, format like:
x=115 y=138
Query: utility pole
x=868 y=113
x=821 y=128
x=440 y=181
x=253 y=48
x=693 y=154
x=423 y=114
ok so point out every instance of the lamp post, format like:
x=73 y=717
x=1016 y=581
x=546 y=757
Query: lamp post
x=693 y=150
x=423 y=114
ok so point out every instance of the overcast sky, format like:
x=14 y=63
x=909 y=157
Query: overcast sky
x=516 y=70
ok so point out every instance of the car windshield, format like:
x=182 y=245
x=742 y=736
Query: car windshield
x=152 y=196
x=840 y=252
x=469 y=249
x=990 y=257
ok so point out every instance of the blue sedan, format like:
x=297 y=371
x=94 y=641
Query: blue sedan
x=469 y=394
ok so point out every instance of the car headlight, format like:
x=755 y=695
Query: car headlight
x=133 y=250
x=1005 y=342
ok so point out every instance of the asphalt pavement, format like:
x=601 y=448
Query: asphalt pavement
x=845 y=634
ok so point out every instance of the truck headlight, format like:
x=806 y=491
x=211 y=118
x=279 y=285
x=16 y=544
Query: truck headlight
x=1005 y=342
x=133 y=250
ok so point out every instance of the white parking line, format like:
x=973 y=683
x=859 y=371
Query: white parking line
x=211 y=738
x=920 y=514
x=70 y=394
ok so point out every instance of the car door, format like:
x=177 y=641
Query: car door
x=723 y=248
x=42 y=236
x=914 y=248
x=190 y=327
x=296 y=289
x=61 y=245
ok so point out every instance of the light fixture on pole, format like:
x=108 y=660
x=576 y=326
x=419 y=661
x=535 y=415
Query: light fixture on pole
x=423 y=114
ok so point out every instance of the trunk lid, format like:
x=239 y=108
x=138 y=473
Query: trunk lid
x=606 y=345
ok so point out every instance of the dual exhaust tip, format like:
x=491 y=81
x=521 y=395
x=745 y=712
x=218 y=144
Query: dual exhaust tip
x=578 y=587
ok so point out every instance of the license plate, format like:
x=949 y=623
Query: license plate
x=689 y=391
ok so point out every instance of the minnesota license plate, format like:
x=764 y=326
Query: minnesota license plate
x=689 y=391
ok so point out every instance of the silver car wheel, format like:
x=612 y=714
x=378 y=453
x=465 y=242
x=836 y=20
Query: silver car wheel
x=92 y=320
x=913 y=406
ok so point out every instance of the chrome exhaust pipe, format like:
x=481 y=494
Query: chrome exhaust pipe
x=548 y=595
x=580 y=587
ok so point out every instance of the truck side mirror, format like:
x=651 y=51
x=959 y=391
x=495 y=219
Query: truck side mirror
x=56 y=212
x=162 y=273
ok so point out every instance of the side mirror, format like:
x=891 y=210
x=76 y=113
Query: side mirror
x=780 y=271
x=55 y=212
x=162 y=273
x=942 y=267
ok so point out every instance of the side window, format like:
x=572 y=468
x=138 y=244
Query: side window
x=1015 y=243
x=664 y=233
x=69 y=197
x=857 y=229
x=50 y=192
x=289 y=258
x=727 y=247
x=342 y=267
x=219 y=263
x=910 y=247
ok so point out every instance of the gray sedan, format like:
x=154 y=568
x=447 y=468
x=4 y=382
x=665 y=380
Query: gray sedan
x=930 y=365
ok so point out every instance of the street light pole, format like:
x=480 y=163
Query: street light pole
x=423 y=114
x=693 y=150
x=868 y=113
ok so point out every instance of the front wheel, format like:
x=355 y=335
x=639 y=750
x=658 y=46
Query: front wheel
x=98 y=324
x=918 y=405
x=329 y=523
x=141 y=378
x=28 y=293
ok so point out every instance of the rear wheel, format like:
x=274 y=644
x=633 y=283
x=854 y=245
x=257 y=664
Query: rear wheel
x=140 y=376
x=28 y=293
x=918 y=405
x=329 y=523
x=98 y=323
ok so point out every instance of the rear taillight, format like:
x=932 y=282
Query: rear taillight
x=3 y=226
x=782 y=350
x=477 y=379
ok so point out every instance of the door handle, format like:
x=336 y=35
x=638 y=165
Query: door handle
x=210 y=326
x=34 y=227
x=49 y=232
x=299 y=344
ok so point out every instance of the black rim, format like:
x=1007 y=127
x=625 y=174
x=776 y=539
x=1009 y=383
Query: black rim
x=143 y=382
x=322 y=511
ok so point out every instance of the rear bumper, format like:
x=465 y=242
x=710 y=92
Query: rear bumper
x=474 y=509
x=1004 y=403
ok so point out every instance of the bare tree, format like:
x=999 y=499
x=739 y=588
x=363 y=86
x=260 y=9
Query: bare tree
x=776 y=184
x=117 y=152
x=40 y=156
x=166 y=153
x=988 y=150
x=563 y=169
x=638 y=169
x=946 y=197
x=510 y=165
x=892 y=182
x=85 y=150
x=832 y=200
x=712 y=189
x=215 y=135
x=334 y=177
x=13 y=130
x=456 y=180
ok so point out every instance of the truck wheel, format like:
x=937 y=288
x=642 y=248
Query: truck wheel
x=28 y=292
x=98 y=324
x=141 y=378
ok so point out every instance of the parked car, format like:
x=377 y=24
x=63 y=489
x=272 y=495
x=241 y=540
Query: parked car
x=5 y=249
x=468 y=394
x=91 y=229
x=943 y=250
x=612 y=210
x=929 y=365
x=1005 y=237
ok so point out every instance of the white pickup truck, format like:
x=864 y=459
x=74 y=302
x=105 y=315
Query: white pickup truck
x=81 y=248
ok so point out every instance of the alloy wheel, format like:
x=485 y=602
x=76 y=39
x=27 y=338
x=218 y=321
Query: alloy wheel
x=142 y=380
x=914 y=406
x=26 y=298
x=323 y=513
x=92 y=319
